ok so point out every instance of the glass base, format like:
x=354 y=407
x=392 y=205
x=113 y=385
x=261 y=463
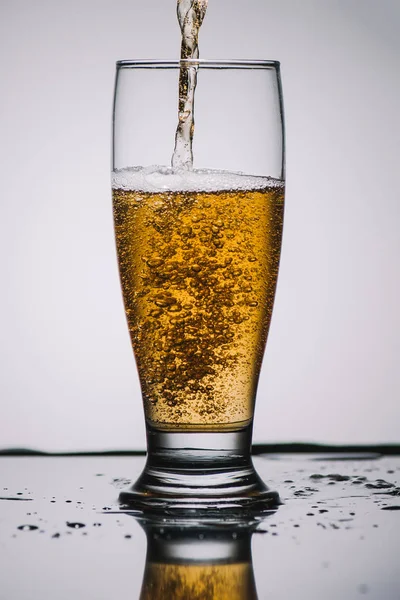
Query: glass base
x=200 y=475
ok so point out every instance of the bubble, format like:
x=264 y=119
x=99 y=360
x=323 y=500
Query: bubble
x=161 y=304
x=27 y=527
x=174 y=308
x=155 y=262
x=195 y=268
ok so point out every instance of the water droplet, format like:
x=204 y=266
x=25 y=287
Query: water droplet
x=75 y=525
x=338 y=477
x=27 y=527
x=380 y=484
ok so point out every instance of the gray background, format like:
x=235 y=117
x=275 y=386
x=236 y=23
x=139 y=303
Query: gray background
x=68 y=379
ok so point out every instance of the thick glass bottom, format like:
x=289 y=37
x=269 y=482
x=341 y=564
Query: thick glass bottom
x=201 y=475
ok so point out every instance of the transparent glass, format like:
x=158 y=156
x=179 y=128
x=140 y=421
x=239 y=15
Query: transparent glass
x=198 y=253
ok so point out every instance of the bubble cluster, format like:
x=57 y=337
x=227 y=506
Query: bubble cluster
x=198 y=272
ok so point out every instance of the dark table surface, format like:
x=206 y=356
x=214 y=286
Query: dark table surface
x=63 y=534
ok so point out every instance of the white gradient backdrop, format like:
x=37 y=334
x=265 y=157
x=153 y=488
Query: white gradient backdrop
x=331 y=371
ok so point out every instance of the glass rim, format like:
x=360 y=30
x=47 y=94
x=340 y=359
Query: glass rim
x=200 y=62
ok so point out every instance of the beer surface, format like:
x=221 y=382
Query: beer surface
x=198 y=266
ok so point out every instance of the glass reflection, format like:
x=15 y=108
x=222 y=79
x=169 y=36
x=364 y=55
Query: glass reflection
x=203 y=561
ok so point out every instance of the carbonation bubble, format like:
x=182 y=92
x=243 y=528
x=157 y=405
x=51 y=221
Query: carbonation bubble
x=198 y=336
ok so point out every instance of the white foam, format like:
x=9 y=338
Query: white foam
x=161 y=179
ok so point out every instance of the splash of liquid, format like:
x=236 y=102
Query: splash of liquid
x=190 y=16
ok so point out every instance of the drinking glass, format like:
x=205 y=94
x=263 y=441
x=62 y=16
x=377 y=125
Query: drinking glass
x=198 y=252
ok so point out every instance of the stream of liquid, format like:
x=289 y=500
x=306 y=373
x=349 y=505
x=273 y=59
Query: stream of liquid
x=190 y=16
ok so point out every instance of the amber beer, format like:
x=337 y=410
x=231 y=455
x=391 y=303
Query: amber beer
x=198 y=258
x=199 y=582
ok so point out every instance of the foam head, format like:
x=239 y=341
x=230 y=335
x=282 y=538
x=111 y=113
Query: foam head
x=157 y=179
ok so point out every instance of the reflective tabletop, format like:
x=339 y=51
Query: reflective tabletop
x=64 y=535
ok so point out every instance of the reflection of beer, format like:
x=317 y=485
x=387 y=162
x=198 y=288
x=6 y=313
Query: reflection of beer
x=199 y=582
x=203 y=563
x=198 y=267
